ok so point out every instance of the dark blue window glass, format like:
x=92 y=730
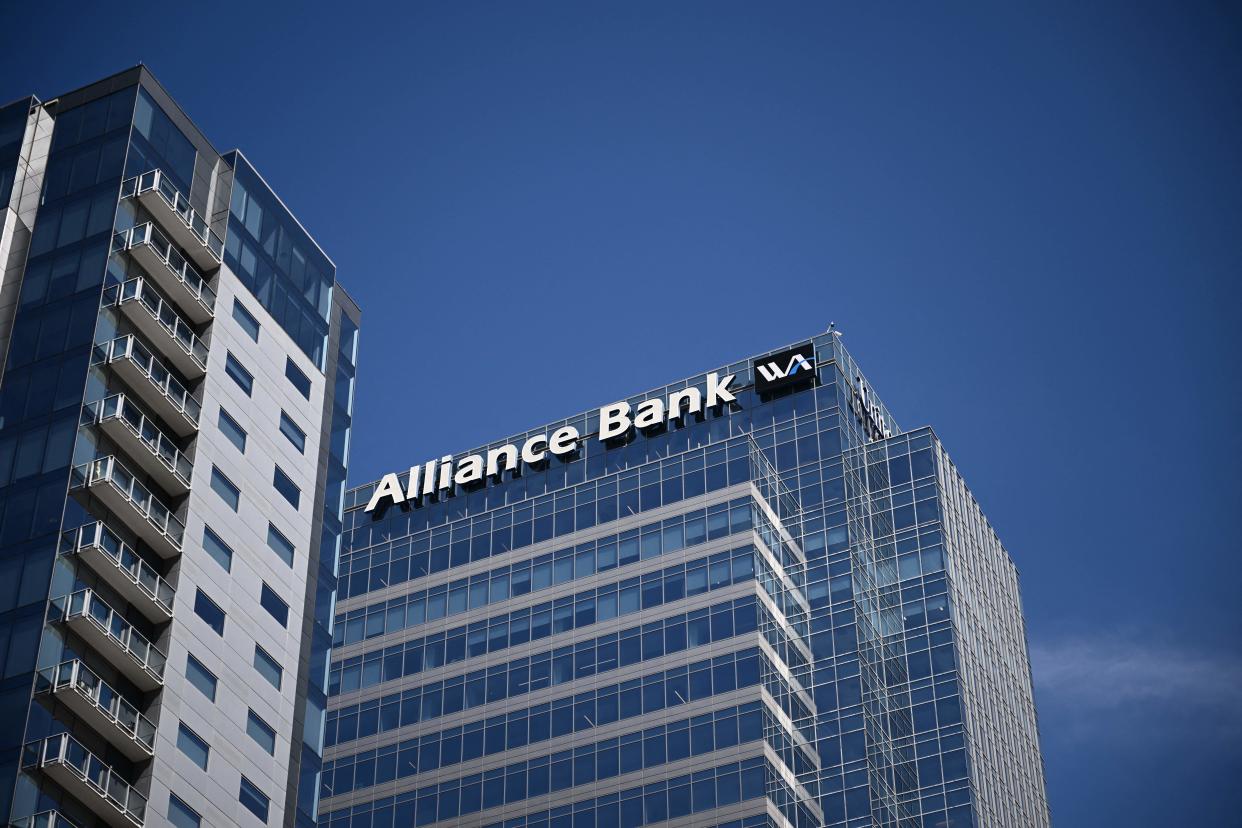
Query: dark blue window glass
x=209 y=611
x=243 y=378
x=287 y=488
x=254 y=800
x=299 y=380
x=271 y=602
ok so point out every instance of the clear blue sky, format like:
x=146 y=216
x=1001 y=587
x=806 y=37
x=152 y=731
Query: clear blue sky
x=1027 y=223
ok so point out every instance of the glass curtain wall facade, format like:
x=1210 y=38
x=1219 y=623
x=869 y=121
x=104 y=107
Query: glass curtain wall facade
x=781 y=610
x=174 y=428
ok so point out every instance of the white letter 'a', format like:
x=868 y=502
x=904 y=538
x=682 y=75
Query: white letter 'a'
x=389 y=486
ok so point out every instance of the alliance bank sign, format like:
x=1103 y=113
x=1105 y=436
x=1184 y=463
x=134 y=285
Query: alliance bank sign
x=615 y=420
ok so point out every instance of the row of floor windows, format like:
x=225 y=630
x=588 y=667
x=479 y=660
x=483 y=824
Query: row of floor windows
x=591 y=708
x=598 y=502
x=571 y=612
x=565 y=664
x=667 y=799
x=539 y=723
x=606 y=759
x=629 y=646
x=532 y=575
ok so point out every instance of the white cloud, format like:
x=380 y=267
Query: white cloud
x=1085 y=684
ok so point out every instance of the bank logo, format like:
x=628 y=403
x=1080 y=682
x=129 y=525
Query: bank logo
x=794 y=366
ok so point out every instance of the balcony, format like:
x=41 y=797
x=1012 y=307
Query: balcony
x=158 y=321
x=86 y=614
x=44 y=819
x=164 y=263
x=100 y=706
x=160 y=196
x=117 y=564
x=84 y=775
x=153 y=451
x=152 y=382
x=132 y=502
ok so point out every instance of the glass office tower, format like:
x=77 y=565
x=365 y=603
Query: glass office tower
x=175 y=403
x=771 y=607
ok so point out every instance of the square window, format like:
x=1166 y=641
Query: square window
x=267 y=666
x=200 y=677
x=209 y=611
x=181 y=815
x=232 y=431
x=243 y=378
x=224 y=487
x=255 y=801
x=245 y=320
x=299 y=380
x=274 y=605
x=192 y=745
x=217 y=549
x=279 y=544
x=295 y=435
x=285 y=485
x=261 y=732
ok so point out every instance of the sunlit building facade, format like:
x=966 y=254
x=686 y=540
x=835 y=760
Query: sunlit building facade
x=175 y=403
x=747 y=598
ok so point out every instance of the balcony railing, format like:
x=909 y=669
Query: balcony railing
x=154 y=249
x=173 y=394
x=86 y=605
x=107 y=704
x=124 y=567
x=44 y=819
x=159 y=319
x=154 y=181
x=160 y=448
x=111 y=472
x=83 y=774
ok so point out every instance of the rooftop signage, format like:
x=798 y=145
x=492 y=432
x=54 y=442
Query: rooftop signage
x=615 y=420
x=790 y=367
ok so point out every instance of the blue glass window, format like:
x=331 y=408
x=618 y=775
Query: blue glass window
x=267 y=666
x=285 y=485
x=275 y=607
x=291 y=431
x=277 y=260
x=232 y=431
x=279 y=544
x=181 y=815
x=245 y=320
x=192 y=745
x=261 y=732
x=254 y=800
x=159 y=144
x=217 y=549
x=200 y=677
x=224 y=487
x=243 y=378
x=299 y=380
x=209 y=611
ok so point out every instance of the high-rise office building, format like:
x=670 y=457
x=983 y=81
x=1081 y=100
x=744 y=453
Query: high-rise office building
x=743 y=599
x=178 y=366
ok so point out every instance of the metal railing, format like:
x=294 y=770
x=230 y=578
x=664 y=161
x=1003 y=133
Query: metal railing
x=45 y=819
x=85 y=603
x=168 y=253
x=155 y=180
x=109 y=469
x=119 y=407
x=77 y=677
x=98 y=536
x=162 y=311
x=63 y=749
x=132 y=348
